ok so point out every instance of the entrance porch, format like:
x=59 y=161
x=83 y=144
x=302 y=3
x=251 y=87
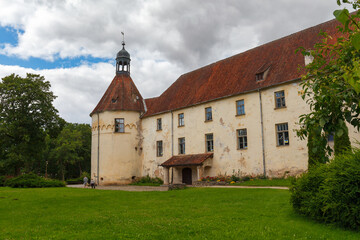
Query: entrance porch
x=186 y=168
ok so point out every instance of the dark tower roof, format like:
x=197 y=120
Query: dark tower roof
x=121 y=95
x=123 y=61
x=123 y=53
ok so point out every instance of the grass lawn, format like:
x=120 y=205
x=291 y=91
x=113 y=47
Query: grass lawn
x=193 y=213
x=266 y=182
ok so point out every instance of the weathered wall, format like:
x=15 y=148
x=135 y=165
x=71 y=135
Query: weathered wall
x=280 y=159
x=133 y=153
x=119 y=152
x=227 y=158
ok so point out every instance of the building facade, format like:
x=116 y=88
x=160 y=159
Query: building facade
x=235 y=116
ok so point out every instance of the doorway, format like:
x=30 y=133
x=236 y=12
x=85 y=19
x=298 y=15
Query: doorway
x=187 y=176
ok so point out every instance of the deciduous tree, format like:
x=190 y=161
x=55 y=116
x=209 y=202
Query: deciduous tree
x=26 y=113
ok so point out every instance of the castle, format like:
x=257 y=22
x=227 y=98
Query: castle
x=235 y=115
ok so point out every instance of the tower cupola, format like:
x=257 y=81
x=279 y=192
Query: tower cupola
x=123 y=61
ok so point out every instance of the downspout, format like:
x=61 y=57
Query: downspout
x=172 y=144
x=98 y=149
x=262 y=133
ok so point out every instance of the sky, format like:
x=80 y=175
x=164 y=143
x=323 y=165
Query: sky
x=73 y=43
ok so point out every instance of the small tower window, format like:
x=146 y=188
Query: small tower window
x=119 y=125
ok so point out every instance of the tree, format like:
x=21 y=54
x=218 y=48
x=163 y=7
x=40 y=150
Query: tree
x=67 y=145
x=71 y=150
x=332 y=97
x=26 y=114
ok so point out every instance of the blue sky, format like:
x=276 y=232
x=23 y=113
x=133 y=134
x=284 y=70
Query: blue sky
x=74 y=43
x=9 y=35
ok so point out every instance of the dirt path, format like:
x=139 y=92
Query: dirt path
x=133 y=188
x=130 y=188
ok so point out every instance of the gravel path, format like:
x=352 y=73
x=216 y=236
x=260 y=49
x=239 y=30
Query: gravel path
x=133 y=188
x=130 y=188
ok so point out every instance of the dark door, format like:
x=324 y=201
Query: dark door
x=187 y=176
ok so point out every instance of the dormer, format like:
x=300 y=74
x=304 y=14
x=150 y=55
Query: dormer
x=262 y=72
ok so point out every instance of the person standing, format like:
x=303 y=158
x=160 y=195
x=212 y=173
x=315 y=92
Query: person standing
x=85 y=181
x=92 y=183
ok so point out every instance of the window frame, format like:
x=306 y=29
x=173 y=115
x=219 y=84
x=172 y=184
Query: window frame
x=283 y=132
x=259 y=76
x=209 y=142
x=239 y=105
x=282 y=99
x=241 y=138
x=181 y=120
x=181 y=141
x=119 y=127
x=158 y=124
x=208 y=118
x=159 y=148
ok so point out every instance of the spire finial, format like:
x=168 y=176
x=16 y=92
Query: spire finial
x=123 y=41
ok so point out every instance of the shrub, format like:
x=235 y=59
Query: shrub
x=2 y=181
x=79 y=180
x=32 y=181
x=331 y=192
x=148 y=180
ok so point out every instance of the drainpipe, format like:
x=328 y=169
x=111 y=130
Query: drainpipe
x=98 y=149
x=262 y=133
x=172 y=144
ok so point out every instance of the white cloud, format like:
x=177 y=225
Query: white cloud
x=165 y=39
x=79 y=89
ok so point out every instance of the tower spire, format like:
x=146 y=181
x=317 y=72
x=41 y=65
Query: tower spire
x=123 y=41
x=123 y=59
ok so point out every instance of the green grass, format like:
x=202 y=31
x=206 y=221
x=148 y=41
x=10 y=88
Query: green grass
x=266 y=182
x=194 y=213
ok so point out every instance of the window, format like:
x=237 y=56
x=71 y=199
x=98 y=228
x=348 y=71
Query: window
x=259 y=76
x=181 y=120
x=158 y=124
x=159 y=148
x=208 y=114
x=282 y=133
x=181 y=145
x=242 y=138
x=240 y=107
x=119 y=125
x=279 y=99
x=209 y=138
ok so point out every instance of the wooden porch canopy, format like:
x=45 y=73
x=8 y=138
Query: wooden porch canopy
x=187 y=160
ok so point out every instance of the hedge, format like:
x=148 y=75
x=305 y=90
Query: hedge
x=331 y=192
x=32 y=181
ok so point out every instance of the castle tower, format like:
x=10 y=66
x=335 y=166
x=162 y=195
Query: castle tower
x=116 y=128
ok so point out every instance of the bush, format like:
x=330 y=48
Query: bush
x=148 y=181
x=32 y=181
x=79 y=180
x=331 y=192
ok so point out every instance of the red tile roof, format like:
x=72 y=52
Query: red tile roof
x=236 y=74
x=122 y=94
x=186 y=160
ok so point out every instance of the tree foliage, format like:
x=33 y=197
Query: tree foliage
x=72 y=148
x=33 y=138
x=330 y=85
x=26 y=113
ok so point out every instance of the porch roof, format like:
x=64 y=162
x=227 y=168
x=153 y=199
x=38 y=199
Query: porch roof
x=186 y=160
